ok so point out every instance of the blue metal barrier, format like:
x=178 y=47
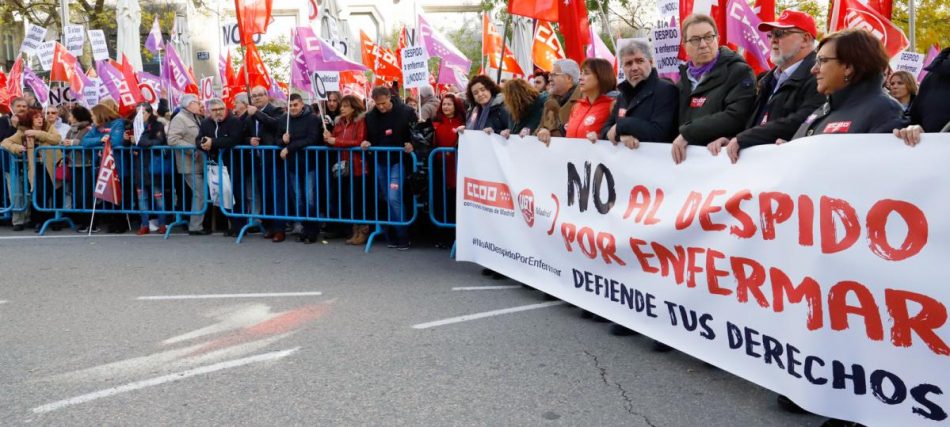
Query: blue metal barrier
x=443 y=167
x=14 y=191
x=317 y=184
x=65 y=179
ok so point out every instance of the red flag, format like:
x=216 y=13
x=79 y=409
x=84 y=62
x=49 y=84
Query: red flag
x=574 y=26
x=192 y=87
x=884 y=7
x=546 y=48
x=107 y=181
x=131 y=79
x=853 y=14
x=253 y=16
x=545 y=10
x=493 y=40
x=401 y=44
x=765 y=9
x=66 y=69
x=379 y=59
x=256 y=71
x=14 y=86
x=3 y=79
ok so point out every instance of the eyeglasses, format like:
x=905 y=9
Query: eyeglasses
x=822 y=60
x=708 y=38
x=217 y=110
x=779 y=33
x=257 y=95
x=52 y=113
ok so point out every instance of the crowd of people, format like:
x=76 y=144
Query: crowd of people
x=839 y=84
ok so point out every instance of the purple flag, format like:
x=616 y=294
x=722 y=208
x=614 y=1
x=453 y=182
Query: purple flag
x=223 y=69
x=317 y=55
x=453 y=75
x=175 y=70
x=299 y=71
x=39 y=87
x=154 y=41
x=111 y=78
x=151 y=79
x=438 y=47
x=931 y=55
x=742 y=30
x=276 y=92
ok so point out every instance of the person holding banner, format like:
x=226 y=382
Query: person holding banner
x=451 y=115
x=647 y=106
x=787 y=94
x=903 y=87
x=488 y=109
x=349 y=131
x=183 y=132
x=562 y=94
x=525 y=105
x=850 y=69
x=717 y=88
x=32 y=130
x=592 y=110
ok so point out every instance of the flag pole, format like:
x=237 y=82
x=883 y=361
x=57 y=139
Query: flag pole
x=912 y=15
x=501 y=59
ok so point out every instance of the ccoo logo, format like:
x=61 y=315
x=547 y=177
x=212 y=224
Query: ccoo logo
x=526 y=204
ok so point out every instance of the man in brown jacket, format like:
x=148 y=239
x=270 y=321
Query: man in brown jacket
x=557 y=109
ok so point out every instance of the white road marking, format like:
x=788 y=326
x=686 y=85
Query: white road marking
x=212 y=296
x=485 y=288
x=3 y=301
x=475 y=316
x=138 y=385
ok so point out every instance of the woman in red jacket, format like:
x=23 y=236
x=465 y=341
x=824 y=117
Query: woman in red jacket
x=349 y=131
x=448 y=119
x=592 y=110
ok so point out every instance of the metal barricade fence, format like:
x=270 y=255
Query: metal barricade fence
x=317 y=185
x=152 y=182
x=14 y=191
x=443 y=167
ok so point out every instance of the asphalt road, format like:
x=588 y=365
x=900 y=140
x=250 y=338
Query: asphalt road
x=78 y=345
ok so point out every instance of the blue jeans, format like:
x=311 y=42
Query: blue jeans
x=389 y=184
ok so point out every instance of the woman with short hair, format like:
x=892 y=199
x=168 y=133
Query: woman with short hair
x=592 y=110
x=850 y=69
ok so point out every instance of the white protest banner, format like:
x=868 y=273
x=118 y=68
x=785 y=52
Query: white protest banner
x=100 y=50
x=666 y=46
x=813 y=268
x=908 y=61
x=31 y=41
x=668 y=9
x=75 y=38
x=45 y=53
x=207 y=88
x=231 y=35
x=415 y=67
x=90 y=93
x=330 y=79
x=324 y=82
x=61 y=95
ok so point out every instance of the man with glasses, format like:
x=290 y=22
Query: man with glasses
x=557 y=109
x=716 y=88
x=262 y=123
x=788 y=93
x=222 y=131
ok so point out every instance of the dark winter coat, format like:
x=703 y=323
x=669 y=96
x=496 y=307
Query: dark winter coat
x=721 y=103
x=649 y=110
x=858 y=108
x=786 y=110
x=931 y=107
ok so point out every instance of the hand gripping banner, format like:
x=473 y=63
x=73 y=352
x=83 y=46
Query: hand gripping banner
x=813 y=268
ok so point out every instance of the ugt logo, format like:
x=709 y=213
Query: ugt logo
x=526 y=204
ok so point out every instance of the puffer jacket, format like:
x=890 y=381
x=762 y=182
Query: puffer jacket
x=720 y=104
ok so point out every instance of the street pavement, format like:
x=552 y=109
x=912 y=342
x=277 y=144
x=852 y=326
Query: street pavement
x=127 y=330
